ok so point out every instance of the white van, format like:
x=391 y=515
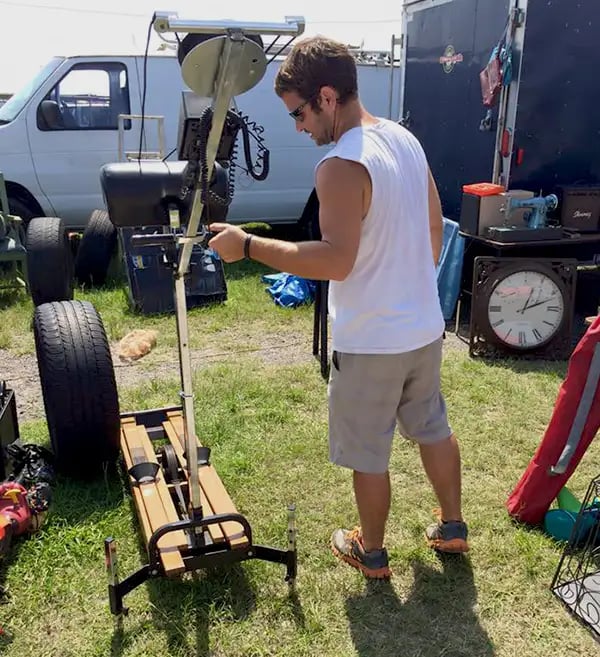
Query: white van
x=62 y=126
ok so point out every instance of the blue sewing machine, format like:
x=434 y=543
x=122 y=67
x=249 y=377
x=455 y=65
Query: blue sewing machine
x=536 y=220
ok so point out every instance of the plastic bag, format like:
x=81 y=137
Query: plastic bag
x=289 y=291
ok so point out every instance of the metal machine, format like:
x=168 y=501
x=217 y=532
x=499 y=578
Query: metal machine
x=536 y=220
x=187 y=517
x=13 y=256
x=538 y=209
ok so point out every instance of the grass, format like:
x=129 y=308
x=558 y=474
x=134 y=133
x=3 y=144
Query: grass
x=249 y=314
x=267 y=428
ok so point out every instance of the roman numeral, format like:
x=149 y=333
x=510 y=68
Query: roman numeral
x=495 y=309
x=552 y=309
x=537 y=334
x=498 y=323
x=549 y=323
x=522 y=338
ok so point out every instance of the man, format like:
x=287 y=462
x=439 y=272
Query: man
x=380 y=218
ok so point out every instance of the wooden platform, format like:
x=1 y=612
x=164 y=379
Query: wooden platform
x=155 y=501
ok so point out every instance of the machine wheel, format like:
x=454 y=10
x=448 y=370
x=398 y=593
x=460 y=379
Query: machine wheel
x=78 y=386
x=49 y=260
x=95 y=249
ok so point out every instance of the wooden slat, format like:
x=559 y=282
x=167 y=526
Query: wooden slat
x=163 y=490
x=216 y=532
x=212 y=486
x=150 y=507
x=137 y=495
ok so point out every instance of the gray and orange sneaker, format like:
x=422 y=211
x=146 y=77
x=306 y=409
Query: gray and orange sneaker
x=448 y=537
x=347 y=545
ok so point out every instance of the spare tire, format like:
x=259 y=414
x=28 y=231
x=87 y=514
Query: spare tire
x=49 y=260
x=78 y=386
x=95 y=249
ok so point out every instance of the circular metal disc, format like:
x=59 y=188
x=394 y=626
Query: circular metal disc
x=200 y=67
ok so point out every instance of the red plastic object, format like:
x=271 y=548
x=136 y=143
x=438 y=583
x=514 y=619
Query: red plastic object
x=537 y=488
x=14 y=506
x=504 y=150
x=483 y=189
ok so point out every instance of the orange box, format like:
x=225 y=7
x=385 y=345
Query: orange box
x=483 y=189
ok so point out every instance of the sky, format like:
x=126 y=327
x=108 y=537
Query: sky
x=35 y=30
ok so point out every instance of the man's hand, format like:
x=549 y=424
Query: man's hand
x=228 y=242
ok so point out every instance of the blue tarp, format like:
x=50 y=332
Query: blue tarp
x=291 y=291
x=449 y=269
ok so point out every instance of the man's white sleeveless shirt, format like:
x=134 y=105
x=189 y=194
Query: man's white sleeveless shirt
x=389 y=302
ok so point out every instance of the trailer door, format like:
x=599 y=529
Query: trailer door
x=447 y=43
x=557 y=136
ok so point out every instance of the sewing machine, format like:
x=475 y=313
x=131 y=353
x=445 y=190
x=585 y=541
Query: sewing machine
x=536 y=219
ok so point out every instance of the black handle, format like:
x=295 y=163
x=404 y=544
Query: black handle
x=166 y=239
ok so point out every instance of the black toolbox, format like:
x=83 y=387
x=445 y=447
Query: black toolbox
x=150 y=276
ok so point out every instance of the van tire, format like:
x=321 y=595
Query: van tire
x=78 y=386
x=49 y=260
x=95 y=249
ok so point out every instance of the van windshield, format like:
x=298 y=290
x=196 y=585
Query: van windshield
x=12 y=107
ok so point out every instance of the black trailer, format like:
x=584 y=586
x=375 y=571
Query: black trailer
x=541 y=135
x=544 y=134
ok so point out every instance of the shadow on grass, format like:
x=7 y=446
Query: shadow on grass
x=75 y=501
x=184 y=609
x=522 y=366
x=437 y=617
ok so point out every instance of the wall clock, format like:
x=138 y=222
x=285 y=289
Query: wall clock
x=522 y=306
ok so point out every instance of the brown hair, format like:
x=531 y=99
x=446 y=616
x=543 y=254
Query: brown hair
x=317 y=62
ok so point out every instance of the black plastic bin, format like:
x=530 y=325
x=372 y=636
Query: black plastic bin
x=150 y=278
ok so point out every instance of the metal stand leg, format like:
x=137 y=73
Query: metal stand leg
x=292 y=566
x=317 y=319
x=324 y=315
x=320 y=327
x=187 y=397
x=112 y=570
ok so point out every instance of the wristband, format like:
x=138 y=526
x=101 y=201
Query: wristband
x=247 y=246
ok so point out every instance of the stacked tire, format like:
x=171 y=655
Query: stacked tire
x=78 y=386
x=49 y=260
x=98 y=243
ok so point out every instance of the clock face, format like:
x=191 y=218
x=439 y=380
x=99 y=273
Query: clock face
x=525 y=309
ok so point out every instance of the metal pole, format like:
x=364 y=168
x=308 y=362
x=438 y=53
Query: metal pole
x=187 y=395
x=232 y=52
x=231 y=57
x=170 y=22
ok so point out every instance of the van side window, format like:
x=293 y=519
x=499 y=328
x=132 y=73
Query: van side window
x=89 y=97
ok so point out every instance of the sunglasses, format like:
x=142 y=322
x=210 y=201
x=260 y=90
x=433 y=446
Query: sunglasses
x=297 y=113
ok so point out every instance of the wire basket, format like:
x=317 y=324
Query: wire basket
x=577 y=579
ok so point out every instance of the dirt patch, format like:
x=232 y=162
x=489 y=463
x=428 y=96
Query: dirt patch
x=21 y=372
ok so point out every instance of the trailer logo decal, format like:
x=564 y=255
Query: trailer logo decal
x=450 y=59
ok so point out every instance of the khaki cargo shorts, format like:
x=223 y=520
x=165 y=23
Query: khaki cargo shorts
x=371 y=394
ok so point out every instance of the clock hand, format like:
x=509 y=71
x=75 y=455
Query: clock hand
x=527 y=302
x=539 y=303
